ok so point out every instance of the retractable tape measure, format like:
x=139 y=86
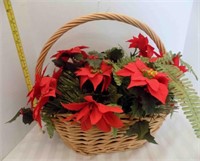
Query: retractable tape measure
x=18 y=43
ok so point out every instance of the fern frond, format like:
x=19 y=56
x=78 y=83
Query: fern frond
x=121 y=63
x=189 y=67
x=166 y=59
x=184 y=93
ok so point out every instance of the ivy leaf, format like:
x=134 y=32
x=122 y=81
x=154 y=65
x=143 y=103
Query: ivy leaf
x=49 y=125
x=150 y=138
x=149 y=104
x=97 y=54
x=27 y=116
x=15 y=117
x=95 y=63
x=58 y=62
x=78 y=57
x=142 y=130
x=115 y=54
x=136 y=110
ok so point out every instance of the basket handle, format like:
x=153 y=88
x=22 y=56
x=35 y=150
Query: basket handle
x=92 y=17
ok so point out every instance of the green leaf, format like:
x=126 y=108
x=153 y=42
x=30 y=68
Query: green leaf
x=15 y=117
x=115 y=54
x=95 y=63
x=142 y=130
x=136 y=110
x=78 y=57
x=49 y=125
x=149 y=104
x=99 y=55
x=59 y=62
x=117 y=79
x=150 y=138
x=115 y=132
x=27 y=116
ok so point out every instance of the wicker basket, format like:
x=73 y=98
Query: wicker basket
x=95 y=141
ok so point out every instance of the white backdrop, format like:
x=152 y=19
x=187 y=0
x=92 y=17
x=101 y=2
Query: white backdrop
x=38 y=19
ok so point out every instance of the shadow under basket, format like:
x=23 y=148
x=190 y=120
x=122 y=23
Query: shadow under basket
x=94 y=141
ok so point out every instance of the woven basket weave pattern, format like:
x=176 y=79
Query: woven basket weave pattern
x=95 y=141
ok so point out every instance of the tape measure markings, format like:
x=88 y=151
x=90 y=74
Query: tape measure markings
x=18 y=43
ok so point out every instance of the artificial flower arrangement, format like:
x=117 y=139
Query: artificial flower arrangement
x=95 y=88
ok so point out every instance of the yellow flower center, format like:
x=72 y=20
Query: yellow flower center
x=96 y=71
x=150 y=73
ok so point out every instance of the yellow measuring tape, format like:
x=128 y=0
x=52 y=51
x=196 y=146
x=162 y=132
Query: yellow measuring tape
x=18 y=43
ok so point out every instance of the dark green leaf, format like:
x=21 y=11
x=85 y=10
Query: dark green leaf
x=15 y=117
x=78 y=57
x=95 y=63
x=49 y=125
x=136 y=110
x=115 y=54
x=150 y=138
x=27 y=116
x=115 y=132
x=142 y=130
x=58 y=63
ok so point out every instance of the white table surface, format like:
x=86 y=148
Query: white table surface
x=176 y=142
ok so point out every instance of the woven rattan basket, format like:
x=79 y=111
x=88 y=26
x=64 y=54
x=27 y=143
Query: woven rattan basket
x=95 y=141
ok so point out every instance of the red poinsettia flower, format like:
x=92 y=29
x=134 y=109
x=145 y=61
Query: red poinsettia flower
x=65 y=54
x=142 y=44
x=176 y=62
x=94 y=113
x=44 y=88
x=96 y=76
x=141 y=75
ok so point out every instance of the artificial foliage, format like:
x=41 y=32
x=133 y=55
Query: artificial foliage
x=94 y=88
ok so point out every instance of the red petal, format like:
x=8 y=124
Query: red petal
x=104 y=109
x=134 y=83
x=51 y=93
x=96 y=80
x=95 y=115
x=75 y=106
x=176 y=60
x=83 y=47
x=162 y=78
x=44 y=71
x=56 y=74
x=103 y=126
x=131 y=67
x=141 y=66
x=83 y=79
x=37 y=110
x=153 y=60
x=153 y=84
x=106 y=83
x=161 y=93
x=150 y=51
x=69 y=118
x=106 y=69
x=86 y=124
x=113 y=120
x=89 y=99
x=85 y=111
x=183 y=69
x=124 y=72
x=85 y=71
